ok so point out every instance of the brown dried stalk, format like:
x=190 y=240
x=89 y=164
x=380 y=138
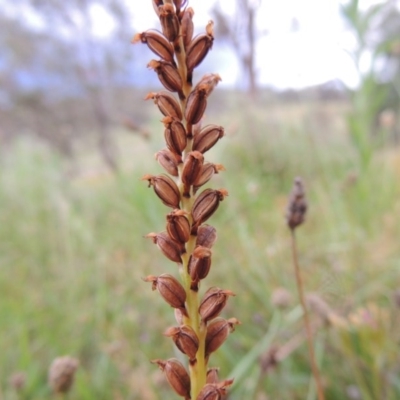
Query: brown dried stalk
x=296 y=212
x=187 y=240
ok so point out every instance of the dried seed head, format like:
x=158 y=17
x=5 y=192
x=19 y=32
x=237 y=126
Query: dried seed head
x=169 y=21
x=196 y=105
x=217 y=332
x=199 y=265
x=165 y=188
x=62 y=374
x=207 y=138
x=206 y=236
x=175 y=135
x=192 y=167
x=207 y=171
x=176 y=375
x=205 y=205
x=213 y=302
x=168 y=75
x=214 y=391
x=187 y=27
x=185 y=339
x=157 y=43
x=168 y=161
x=297 y=206
x=199 y=47
x=170 y=289
x=166 y=103
x=212 y=375
x=170 y=247
x=178 y=226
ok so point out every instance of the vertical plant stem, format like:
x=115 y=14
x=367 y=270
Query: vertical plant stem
x=307 y=325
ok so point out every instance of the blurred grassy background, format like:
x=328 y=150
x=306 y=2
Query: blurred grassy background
x=72 y=255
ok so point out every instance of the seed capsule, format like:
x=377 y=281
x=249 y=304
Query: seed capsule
x=205 y=205
x=175 y=135
x=179 y=4
x=207 y=171
x=169 y=21
x=178 y=226
x=176 y=375
x=168 y=161
x=297 y=206
x=165 y=188
x=196 y=105
x=199 y=266
x=170 y=289
x=192 y=168
x=199 y=47
x=169 y=247
x=206 y=236
x=217 y=332
x=213 y=302
x=156 y=4
x=207 y=138
x=214 y=391
x=168 y=75
x=166 y=103
x=185 y=339
x=187 y=27
x=212 y=375
x=209 y=81
x=157 y=43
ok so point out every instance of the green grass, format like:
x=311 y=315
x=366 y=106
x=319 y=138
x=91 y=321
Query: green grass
x=72 y=255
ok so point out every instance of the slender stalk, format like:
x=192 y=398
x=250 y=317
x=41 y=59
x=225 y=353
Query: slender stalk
x=309 y=334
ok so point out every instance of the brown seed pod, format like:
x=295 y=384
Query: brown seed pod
x=187 y=27
x=297 y=206
x=209 y=82
x=179 y=4
x=199 y=265
x=213 y=302
x=207 y=171
x=178 y=226
x=176 y=375
x=175 y=135
x=192 y=167
x=205 y=205
x=168 y=161
x=199 y=47
x=156 y=4
x=169 y=247
x=185 y=339
x=157 y=43
x=207 y=138
x=214 y=391
x=206 y=236
x=196 y=105
x=212 y=375
x=170 y=289
x=168 y=75
x=217 y=332
x=166 y=103
x=169 y=21
x=165 y=188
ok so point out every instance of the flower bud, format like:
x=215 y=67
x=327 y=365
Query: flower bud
x=206 y=236
x=199 y=265
x=199 y=47
x=169 y=21
x=196 y=105
x=175 y=135
x=168 y=161
x=176 y=375
x=157 y=43
x=213 y=302
x=169 y=247
x=192 y=167
x=185 y=339
x=207 y=171
x=187 y=27
x=165 y=188
x=217 y=332
x=178 y=226
x=170 y=289
x=297 y=206
x=205 y=205
x=207 y=138
x=166 y=103
x=168 y=75
x=214 y=391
